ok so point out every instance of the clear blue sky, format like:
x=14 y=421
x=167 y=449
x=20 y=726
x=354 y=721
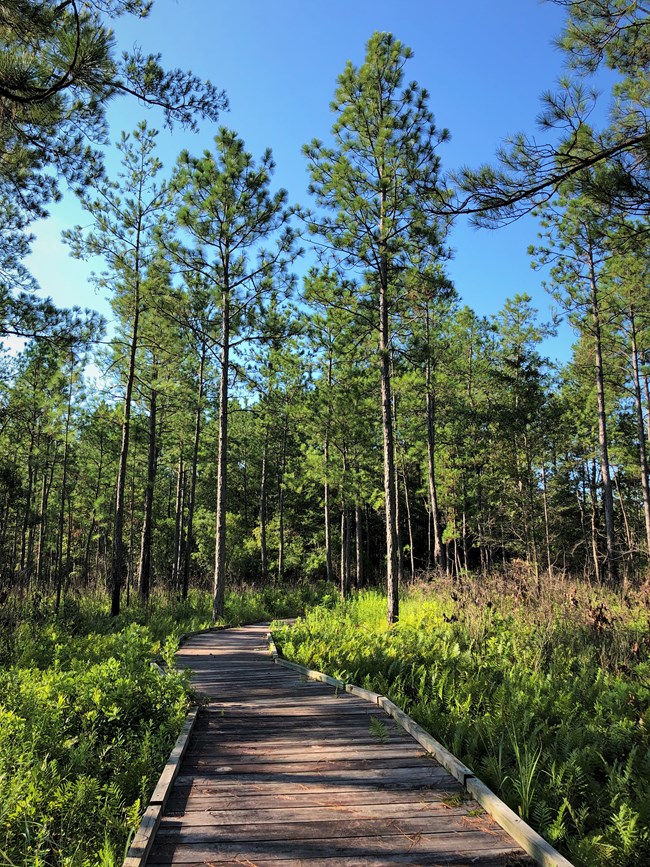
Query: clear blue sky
x=484 y=65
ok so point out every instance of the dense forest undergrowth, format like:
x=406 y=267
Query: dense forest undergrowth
x=546 y=696
x=86 y=721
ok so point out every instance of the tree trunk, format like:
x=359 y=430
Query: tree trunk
x=608 y=497
x=438 y=550
x=64 y=485
x=594 y=522
x=283 y=467
x=189 y=540
x=48 y=475
x=144 y=569
x=93 y=518
x=117 y=559
x=326 y=456
x=643 y=455
x=177 y=547
x=358 y=526
x=264 y=558
x=547 y=537
x=219 y=591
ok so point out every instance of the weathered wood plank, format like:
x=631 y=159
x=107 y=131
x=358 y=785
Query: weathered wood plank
x=342 y=826
x=452 y=818
x=267 y=798
x=388 y=846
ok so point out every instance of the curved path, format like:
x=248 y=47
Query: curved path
x=283 y=771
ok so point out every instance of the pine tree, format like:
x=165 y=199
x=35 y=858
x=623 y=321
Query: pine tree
x=125 y=213
x=227 y=214
x=380 y=183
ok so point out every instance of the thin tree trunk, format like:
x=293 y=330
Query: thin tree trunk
x=219 y=591
x=344 y=570
x=409 y=523
x=438 y=550
x=178 y=522
x=93 y=517
x=283 y=467
x=326 y=457
x=28 y=503
x=117 y=559
x=594 y=524
x=398 y=504
x=345 y=532
x=646 y=387
x=64 y=485
x=392 y=540
x=358 y=526
x=608 y=497
x=546 y=522
x=264 y=557
x=189 y=540
x=643 y=455
x=46 y=487
x=144 y=569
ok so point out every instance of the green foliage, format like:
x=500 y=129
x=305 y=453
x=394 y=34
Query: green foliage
x=85 y=725
x=546 y=704
x=86 y=721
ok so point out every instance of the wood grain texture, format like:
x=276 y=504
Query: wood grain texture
x=282 y=769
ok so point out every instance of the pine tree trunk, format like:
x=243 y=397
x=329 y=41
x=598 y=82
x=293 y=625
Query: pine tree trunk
x=45 y=489
x=283 y=467
x=93 y=518
x=398 y=504
x=177 y=547
x=144 y=568
x=608 y=497
x=392 y=574
x=117 y=559
x=60 y=577
x=438 y=550
x=547 y=537
x=219 y=591
x=409 y=523
x=326 y=457
x=594 y=522
x=189 y=540
x=643 y=455
x=24 y=543
x=264 y=558
x=358 y=535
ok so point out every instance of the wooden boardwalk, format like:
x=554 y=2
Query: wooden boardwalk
x=284 y=771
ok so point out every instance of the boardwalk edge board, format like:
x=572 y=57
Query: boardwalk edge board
x=144 y=837
x=529 y=840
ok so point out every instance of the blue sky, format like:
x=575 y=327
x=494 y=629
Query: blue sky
x=484 y=65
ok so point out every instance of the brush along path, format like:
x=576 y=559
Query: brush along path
x=287 y=771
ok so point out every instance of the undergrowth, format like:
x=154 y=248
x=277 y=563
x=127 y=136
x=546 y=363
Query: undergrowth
x=545 y=697
x=86 y=722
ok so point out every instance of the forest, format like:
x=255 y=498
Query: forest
x=253 y=433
